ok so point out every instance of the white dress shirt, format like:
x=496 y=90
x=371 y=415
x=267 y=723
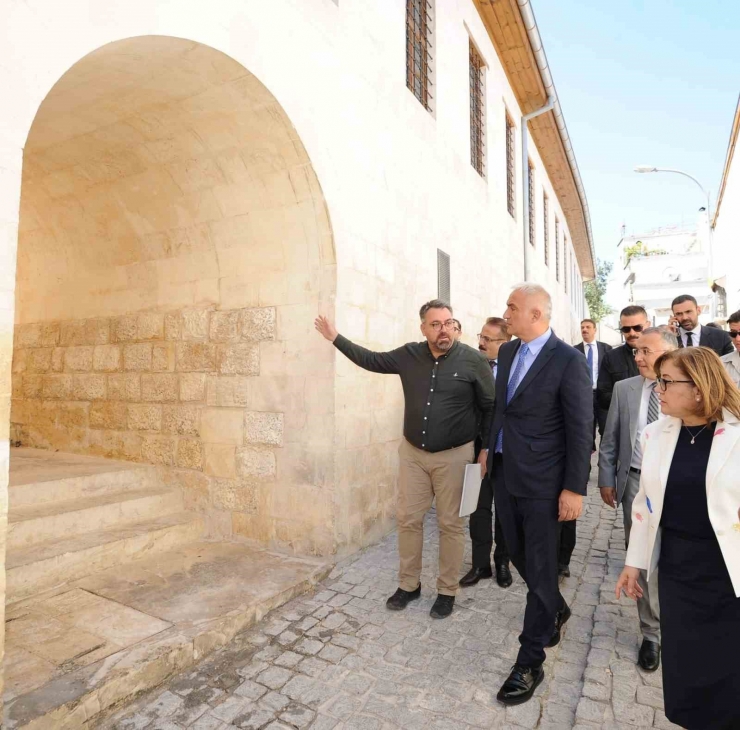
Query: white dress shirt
x=642 y=422
x=695 y=335
x=595 y=367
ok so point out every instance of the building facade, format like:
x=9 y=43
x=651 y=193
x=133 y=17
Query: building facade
x=185 y=187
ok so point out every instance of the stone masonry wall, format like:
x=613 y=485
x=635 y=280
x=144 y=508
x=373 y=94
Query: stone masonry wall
x=171 y=389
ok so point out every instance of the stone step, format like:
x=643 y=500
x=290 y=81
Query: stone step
x=32 y=524
x=31 y=570
x=38 y=476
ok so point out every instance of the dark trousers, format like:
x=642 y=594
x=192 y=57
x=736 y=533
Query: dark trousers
x=566 y=541
x=531 y=530
x=482 y=534
x=597 y=421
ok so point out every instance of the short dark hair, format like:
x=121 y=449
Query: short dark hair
x=632 y=311
x=433 y=304
x=457 y=322
x=714 y=325
x=588 y=320
x=681 y=298
x=501 y=324
x=734 y=318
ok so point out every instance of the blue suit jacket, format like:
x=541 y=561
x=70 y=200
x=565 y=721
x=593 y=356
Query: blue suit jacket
x=548 y=426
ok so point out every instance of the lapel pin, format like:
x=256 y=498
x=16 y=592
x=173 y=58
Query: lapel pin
x=719 y=431
x=649 y=506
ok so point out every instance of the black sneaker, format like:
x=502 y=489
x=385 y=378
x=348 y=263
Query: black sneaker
x=442 y=607
x=401 y=598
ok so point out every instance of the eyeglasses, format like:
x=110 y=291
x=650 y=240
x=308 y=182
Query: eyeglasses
x=627 y=329
x=448 y=325
x=644 y=351
x=663 y=383
x=734 y=333
x=489 y=340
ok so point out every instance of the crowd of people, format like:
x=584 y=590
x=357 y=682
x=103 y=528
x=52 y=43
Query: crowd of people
x=526 y=406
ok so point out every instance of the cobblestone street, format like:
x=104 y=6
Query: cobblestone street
x=338 y=660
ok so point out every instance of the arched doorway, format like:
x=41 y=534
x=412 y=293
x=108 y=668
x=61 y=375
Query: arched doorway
x=174 y=246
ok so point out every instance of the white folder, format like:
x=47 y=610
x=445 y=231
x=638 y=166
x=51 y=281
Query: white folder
x=471 y=489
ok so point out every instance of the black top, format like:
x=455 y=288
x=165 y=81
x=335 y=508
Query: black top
x=617 y=364
x=441 y=395
x=685 y=510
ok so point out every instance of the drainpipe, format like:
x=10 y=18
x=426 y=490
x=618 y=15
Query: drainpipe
x=525 y=178
x=525 y=8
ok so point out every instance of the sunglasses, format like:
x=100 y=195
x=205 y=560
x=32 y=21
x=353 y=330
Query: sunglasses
x=734 y=333
x=636 y=328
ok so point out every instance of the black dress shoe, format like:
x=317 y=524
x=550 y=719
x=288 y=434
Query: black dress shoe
x=503 y=575
x=401 y=598
x=442 y=607
x=563 y=570
x=649 y=656
x=520 y=685
x=561 y=617
x=474 y=575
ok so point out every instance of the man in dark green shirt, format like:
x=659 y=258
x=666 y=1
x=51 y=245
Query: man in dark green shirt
x=447 y=387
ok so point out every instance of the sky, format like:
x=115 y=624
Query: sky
x=644 y=83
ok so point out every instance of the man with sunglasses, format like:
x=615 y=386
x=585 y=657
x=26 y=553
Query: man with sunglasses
x=449 y=397
x=685 y=325
x=619 y=363
x=634 y=405
x=732 y=360
x=493 y=334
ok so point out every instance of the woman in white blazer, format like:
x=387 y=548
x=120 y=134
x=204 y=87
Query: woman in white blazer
x=732 y=360
x=686 y=519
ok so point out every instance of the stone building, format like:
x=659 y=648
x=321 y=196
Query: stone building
x=184 y=186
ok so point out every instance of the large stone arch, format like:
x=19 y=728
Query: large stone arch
x=174 y=245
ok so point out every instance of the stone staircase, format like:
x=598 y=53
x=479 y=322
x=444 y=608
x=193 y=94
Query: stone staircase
x=70 y=516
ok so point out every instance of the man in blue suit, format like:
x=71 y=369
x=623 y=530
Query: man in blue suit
x=539 y=454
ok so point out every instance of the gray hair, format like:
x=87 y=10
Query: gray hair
x=670 y=341
x=433 y=304
x=530 y=289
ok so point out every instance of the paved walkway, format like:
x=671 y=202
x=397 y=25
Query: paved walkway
x=338 y=660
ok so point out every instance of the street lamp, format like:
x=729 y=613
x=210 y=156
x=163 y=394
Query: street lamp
x=650 y=168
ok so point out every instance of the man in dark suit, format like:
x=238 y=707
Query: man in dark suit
x=686 y=327
x=539 y=455
x=492 y=335
x=594 y=352
x=619 y=363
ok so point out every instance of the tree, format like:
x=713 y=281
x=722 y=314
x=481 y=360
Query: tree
x=595 y=291
x=639 y=249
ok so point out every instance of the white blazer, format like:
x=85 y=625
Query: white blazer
x=723 y=493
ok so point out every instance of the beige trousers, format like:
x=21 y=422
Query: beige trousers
x=422 y=478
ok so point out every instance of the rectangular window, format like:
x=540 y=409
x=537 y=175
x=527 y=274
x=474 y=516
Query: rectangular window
x=510 y=166
x=565 y=263
x=418 y=50
x=443 y=276
x=557 y=249
x=546 y=221
x=530 y=187
x=477 y=120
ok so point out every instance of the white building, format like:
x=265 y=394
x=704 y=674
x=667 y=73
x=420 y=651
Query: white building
x=726 y=229
x=662 y=264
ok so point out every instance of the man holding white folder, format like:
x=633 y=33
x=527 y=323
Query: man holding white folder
x=446 y=385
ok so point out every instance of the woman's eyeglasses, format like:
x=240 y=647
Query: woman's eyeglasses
x=663 y=383
x=627 y=328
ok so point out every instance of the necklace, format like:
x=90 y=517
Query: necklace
x=694 y=435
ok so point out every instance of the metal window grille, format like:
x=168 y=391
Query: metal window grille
x=443 y=276
x=721 y=293
x=477 y=128
x=418 y=50
x=565 y=263
x=557 y=249
x=530 y=186
x=510 y=166
x=546 y=221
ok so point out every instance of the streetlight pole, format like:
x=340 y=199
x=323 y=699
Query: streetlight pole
x=649 y=168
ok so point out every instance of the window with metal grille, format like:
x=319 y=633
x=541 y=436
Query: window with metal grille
x=565 y=263
x=510 y=166
x=477 y=108
x=443 y=276
x=418 y=50
x=530 y=187
x=557 y=249
x=546 y=221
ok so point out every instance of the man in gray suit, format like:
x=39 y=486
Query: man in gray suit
x=635 y=404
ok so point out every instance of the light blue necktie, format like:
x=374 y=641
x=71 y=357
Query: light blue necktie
x=590 y=358
x=511 y=389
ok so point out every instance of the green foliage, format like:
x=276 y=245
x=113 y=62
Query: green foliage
x=640 y=249
x=595 y=291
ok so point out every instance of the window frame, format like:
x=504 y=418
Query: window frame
x=476 y=75
x=510 y=166
x=419 y=45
